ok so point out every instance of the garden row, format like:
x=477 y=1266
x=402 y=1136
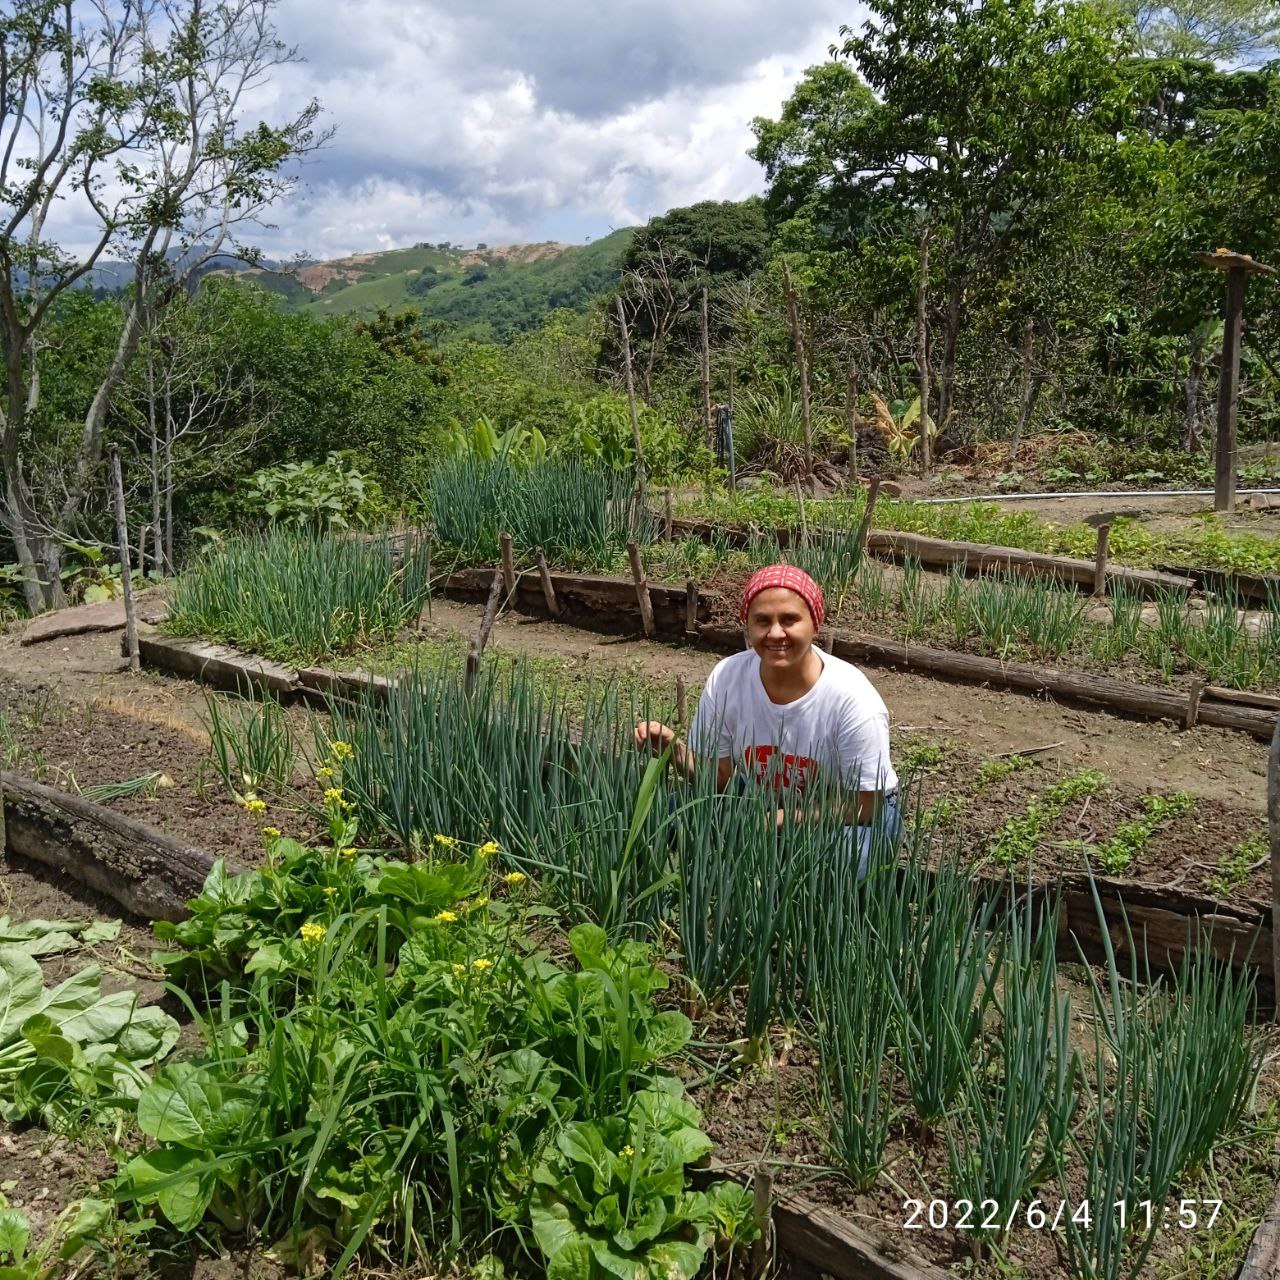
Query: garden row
x=506 y=1089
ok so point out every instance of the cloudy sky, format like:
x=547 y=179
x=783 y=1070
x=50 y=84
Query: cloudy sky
x=516 y=120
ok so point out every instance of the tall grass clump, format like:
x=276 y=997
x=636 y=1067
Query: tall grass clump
x=582 y=516
x=300 y=596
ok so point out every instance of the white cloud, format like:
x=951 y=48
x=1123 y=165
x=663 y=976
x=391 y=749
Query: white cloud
x=513 y=121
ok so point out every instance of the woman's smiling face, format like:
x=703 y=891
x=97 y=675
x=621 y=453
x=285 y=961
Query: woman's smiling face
x=780 y=628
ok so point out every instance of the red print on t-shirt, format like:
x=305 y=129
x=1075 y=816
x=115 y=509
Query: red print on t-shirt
x=792 y=774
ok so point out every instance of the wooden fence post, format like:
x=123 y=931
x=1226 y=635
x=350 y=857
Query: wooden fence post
x=682 y=703
x=548 y=590
x=641 y=490
x=508 y=565
x=126 y=568
x=690 y=608
x=1100 y=561
x=482 y=636
x=762 y=1207
x=669 y=514
x=642 y=588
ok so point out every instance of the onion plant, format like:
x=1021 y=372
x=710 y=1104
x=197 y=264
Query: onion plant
x=252 y=744
x=947 y=982
x=582 y=516
x=1007 y=1134
x=298 y=595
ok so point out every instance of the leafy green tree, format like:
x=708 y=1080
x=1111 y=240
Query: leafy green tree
x=132 y=111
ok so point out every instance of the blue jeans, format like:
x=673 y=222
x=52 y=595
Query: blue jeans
x=877 y=840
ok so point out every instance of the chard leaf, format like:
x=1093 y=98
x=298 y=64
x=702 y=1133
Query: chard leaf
x=101 y=931
x=583 y=1144
x=14 y=1234
x=21 y=990
x=676 y=1259
x=179 y=1105
x=168 y=1176
x=666 y=1034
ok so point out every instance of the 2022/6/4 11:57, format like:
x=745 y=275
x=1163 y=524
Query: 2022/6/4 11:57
x=1041 y=1215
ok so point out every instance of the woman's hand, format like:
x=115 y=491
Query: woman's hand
x=655 y=735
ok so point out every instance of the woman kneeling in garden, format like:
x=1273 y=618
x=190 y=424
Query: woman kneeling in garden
x=784 y=713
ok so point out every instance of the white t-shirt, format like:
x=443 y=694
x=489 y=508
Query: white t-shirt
x=840 y=724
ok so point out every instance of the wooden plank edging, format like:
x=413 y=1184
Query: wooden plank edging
x=149 y=874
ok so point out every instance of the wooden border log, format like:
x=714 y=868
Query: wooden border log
x=1245 y=697
x=1255 y=588
x=323 y=683
x=150 y=874
x=217 y=665
x=1262 y=1262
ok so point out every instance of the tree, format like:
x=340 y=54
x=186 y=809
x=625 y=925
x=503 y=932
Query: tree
x=1224 y=31
x=130 y=114
x=989 y=124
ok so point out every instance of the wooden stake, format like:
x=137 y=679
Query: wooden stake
x=922 y=350
x=669 y=515
x=682 y=703
x=508 y=566
x=1224 y=450
x=1238 y=266
x=1100 y=561
x=641 y=494
x=482 y=636
x=762 y=1206
x=797 y=340
x=1273 y=831
x=804 y=519
x=1193 y=706
x=851 y=417
x=126 y=568
x=873 y=492
x=548 y=590
x=691 y=608
x=706 y=365
x=642 y=588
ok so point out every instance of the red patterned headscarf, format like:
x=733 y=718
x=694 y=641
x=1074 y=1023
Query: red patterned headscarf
x=793 y=579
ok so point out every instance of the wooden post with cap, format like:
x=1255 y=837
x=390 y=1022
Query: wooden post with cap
x=1239 y=267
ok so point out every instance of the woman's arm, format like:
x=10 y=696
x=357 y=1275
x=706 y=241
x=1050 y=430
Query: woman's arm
x=657 y=737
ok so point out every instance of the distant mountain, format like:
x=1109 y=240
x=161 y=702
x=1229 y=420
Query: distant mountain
x=485 y=293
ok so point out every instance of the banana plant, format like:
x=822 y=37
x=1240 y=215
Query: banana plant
x=900 y=429
x=486 y=442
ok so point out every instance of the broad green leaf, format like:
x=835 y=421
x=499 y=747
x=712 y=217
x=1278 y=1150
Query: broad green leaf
x=178 y=1105
x=583 y=1144
x=166 y=1176
x=646 y=1224
x=101 y=1021
x=666 y=1034
x=101 y=931
x=573 y=1262
x=92 y=1217
x=552 y=1221
x=74 y=995
x=675 y=1260
x=21 y=990
x=149 y=1036
x=615 y=1263
x=589 y=943
x=14 y=1234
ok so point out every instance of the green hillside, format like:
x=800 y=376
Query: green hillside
x=489 y=293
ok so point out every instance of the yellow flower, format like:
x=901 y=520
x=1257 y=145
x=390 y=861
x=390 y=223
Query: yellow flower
x=329 y=891
x=445 y=842
x=481 y=965
x=341 y=750
x=254 y=805
x=333 y=793
x=459 y=970
x=514 y=877
x=324 y=773
x=627 y=1152
x=488 y=849
x=445 y=917
x=349 y=851
x=312 y=932
x=272 y=833
x=478 y=904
